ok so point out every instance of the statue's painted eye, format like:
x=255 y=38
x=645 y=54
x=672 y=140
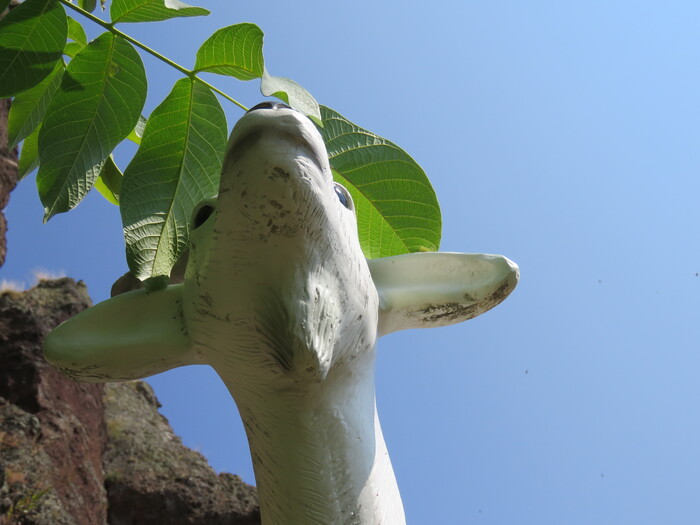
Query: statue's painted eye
x=343 y=196
x=202 y=214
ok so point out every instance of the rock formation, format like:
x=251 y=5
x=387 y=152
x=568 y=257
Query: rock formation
x=91 y=454
x=149 y=474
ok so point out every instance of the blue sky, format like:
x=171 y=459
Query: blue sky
x=562 y=135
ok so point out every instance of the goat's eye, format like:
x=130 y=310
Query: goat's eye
x=343 y=195
x=201 y=215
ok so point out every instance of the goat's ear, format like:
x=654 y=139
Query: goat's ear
x=422 y=290
x=131 y=336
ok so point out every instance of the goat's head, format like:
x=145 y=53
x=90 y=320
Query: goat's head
x=277 y=287
x=276 y=291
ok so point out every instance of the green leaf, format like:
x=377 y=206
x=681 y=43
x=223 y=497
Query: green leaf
x=76 y=31
x=4 y=4
x=28 y=155
x=87 y=5
x=96 y=106
x=237 y=51
x=72 y=49
x=177 y=165
x=32 y=37
x=28 y=108
x=397 y=210
x=103 y=190
x=77 y=34
x=234 y=51
x=151 y=10
x=109 y=183
x=137 y=132
x=292 y=94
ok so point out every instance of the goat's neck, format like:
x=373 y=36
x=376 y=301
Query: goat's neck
x=319 y=454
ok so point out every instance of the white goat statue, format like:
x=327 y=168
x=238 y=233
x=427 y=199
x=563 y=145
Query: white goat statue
x=279 y=299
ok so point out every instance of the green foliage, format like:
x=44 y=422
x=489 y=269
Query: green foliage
x=70 y=119
x=292 y=94
x=235 y=51
x=76 y=32
x=109 y=182
x=397 y=211
x=177 y=165
x=96 y=106
x=28 y=108
x=32 y=37
x=137 y=132
x=151 y=10
x=29 y=155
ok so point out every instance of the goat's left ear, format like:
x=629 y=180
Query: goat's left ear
x=422 y=290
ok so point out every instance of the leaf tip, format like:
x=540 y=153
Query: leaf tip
x=316 y=120
x=48 y=213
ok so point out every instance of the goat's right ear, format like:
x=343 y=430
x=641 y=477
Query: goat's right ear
x=426 y=289
x=131 y=336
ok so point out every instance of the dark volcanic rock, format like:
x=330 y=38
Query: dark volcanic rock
x=88 y=454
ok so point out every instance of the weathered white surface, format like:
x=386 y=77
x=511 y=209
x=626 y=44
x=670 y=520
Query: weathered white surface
x=424 y=290
x=279 y=299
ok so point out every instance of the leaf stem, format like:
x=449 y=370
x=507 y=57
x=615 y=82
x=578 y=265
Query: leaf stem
x=187 y=72
x=217 y=90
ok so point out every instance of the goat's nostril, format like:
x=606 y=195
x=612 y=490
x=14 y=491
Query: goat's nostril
x=268 y=104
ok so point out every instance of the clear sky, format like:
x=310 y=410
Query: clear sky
x=563 y=135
